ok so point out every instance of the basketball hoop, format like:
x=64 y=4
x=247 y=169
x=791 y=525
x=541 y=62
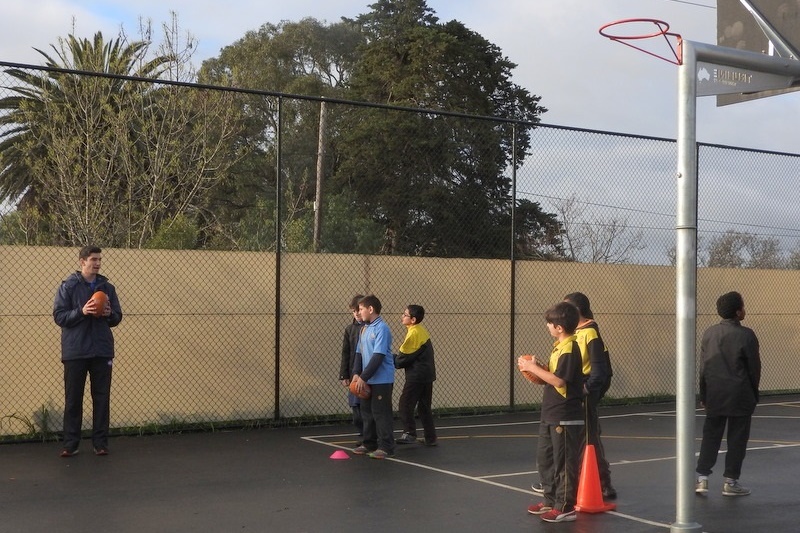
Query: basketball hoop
x=662 y=29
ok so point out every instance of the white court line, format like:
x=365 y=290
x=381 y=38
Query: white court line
x=651 y=460
x=463 y=426
x=536 y=422
x=479 y=426
x=431 y=468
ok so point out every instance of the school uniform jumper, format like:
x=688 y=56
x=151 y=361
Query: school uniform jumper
x=561 y=428
x=596 y=381
x=415 y=355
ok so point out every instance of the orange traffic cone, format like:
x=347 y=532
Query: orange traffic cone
x=590 y=495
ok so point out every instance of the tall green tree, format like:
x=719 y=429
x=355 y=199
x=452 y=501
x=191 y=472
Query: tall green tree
x=429 y=183
x=438 y=184
x=304 y=58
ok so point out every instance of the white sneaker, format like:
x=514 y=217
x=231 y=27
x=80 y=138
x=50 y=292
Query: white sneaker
x=406 y=438
x=734 y=489
x=701 y=487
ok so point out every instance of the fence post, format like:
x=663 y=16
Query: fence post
x=278 y=232
x=513 y=287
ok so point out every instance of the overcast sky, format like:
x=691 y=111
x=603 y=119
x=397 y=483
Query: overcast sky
x=584 y=79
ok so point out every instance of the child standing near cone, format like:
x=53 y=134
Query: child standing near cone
x=596 y=381
x=561 y=427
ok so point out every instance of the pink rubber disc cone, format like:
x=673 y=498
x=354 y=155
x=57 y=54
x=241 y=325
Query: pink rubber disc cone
x=340 y=454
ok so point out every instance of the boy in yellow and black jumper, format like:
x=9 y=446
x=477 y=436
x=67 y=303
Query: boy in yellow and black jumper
x=561 y=427
x=416 y=357
x=596 y=381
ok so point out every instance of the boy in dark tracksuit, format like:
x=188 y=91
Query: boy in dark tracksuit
x=561 y=427
x=348 y=362
x=416 y=357
x=729 y=381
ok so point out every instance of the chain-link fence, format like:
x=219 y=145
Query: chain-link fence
x=237 y=225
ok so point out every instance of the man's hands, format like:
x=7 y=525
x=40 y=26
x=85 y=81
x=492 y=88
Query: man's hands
x=90 y=309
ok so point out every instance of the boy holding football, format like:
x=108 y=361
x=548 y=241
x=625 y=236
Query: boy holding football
x=562 y=420
x=374 y=366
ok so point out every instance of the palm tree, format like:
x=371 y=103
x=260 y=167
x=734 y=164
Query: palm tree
x=58 y=132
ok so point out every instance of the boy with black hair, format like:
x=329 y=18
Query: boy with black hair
x=729 y=381
x=375 y=366
x=596 y=381
x=348 y=362
x=561 y=426
x=415 y=355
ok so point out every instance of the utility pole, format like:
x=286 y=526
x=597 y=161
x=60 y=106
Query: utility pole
x=320 y=176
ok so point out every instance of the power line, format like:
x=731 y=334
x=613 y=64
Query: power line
x=620 y=208
x=671 y=215
x=692 y=4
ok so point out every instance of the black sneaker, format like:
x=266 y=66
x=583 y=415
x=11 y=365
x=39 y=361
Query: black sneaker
x=537 y=488
x=609 y=492
x=69 y=453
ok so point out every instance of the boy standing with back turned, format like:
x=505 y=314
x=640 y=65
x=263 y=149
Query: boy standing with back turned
x=596 y=381
x=561 y=426
x=729 y=382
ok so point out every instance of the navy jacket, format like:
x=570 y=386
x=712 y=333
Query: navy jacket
x=82 y=336
x=349 y=347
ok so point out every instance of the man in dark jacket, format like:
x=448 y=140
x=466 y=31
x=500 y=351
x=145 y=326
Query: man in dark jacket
x=729 y=382
x=87 y=347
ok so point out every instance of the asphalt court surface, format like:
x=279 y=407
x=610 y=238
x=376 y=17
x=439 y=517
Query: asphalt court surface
x=477 y=479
